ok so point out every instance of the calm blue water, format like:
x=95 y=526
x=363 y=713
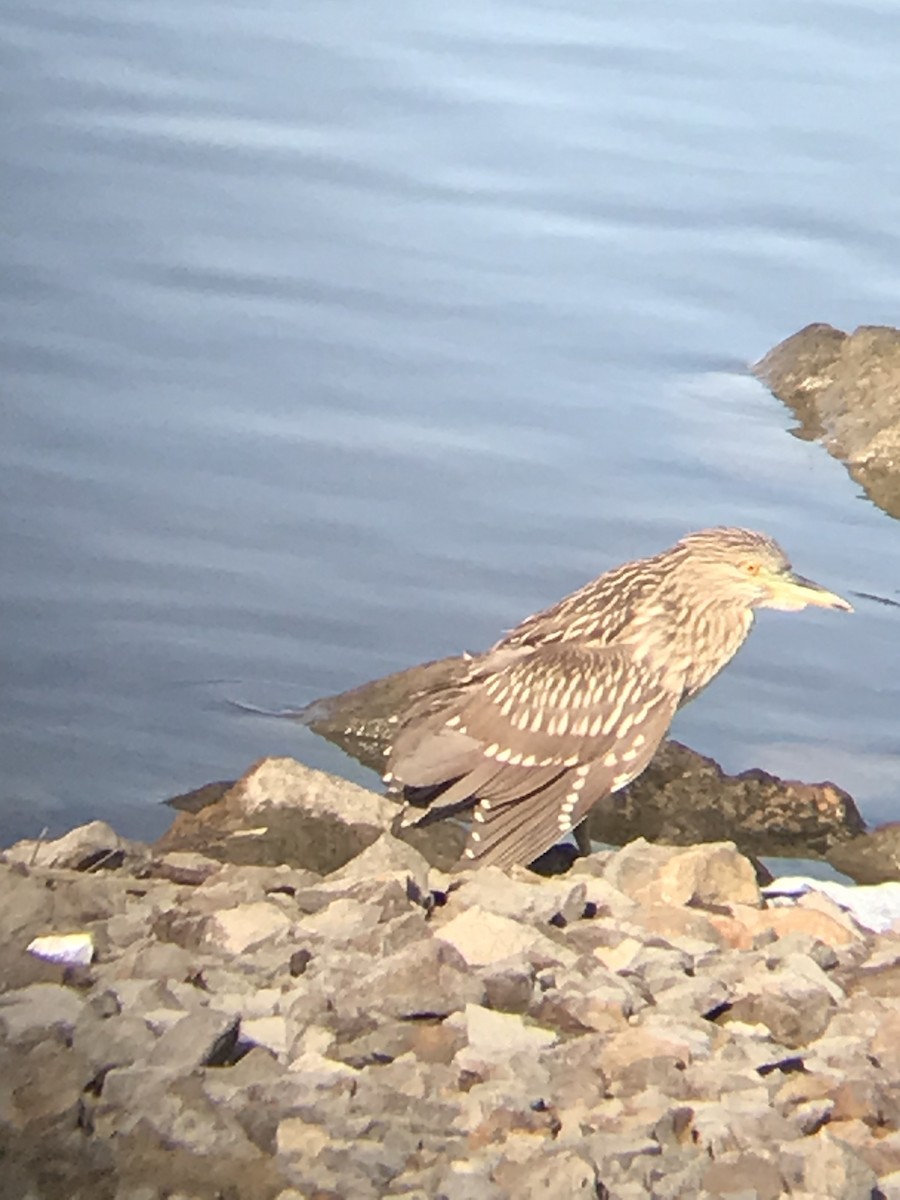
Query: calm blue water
x=341 y=336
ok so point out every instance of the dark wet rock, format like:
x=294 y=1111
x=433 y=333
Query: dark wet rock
x=805 y=364
x=845 y=390
x=441 y=842
x=284 y=812
x=684 y=798
x=201 y=797
x=681 y=799
x=362 y=721
x=872 y=857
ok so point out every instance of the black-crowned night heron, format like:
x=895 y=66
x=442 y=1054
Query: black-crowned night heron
x=571 y=705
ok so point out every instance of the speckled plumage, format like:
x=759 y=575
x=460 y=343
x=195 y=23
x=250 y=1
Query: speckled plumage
x=571 y=705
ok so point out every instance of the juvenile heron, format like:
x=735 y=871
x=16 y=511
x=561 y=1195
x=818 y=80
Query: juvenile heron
x=571 y=705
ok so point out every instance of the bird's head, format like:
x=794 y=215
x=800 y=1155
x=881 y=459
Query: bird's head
x=743 y=567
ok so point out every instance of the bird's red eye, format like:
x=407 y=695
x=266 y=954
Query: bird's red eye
x=752 y=568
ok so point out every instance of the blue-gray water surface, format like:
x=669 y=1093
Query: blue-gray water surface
x=341 y=336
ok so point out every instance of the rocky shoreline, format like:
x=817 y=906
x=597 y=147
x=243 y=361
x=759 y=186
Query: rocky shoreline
x=646 y=1024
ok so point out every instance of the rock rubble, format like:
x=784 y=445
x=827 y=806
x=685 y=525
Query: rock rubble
x=645 y=1025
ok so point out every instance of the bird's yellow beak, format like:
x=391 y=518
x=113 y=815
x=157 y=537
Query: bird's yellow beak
x=790 y=592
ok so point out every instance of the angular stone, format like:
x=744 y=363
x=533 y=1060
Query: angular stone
x=524 y=897
x=387 y=855
x=559 y=1175
x=885 y=1045
x=483 y=938
x=32 y=1012
x=92 y=847
x=26 y=905
x=509 y=988
x=201 y=1038
x=621 y=956
x=184 y=867
x=577 y=1078
x=743 y=1172
x=791 y=1022
x=492 y=1036
x=742 y=1120
x=154 y=960
x=389 y=1040
x=340 y=921
x=428 y=978
x=635 y=1043
x=823 y=927
x=236 y=930
x=828 y=1167
x=687 y=929
x=467 y=1181
x=795 y=1004
x=297 y=1136
x=46 y=1085
x=116 y=1042
x=607 y=900
x=817 y=902
x=435 y=1043
x=710 y=874
x=662 y=1072
x=622 y=1154
x=269 y=1032
x=284 y=812
x=700 y=994
x=595 y=1003
x=806 y=946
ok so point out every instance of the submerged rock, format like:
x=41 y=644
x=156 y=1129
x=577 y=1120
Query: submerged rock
x=845 y=391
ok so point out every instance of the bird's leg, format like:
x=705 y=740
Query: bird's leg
x=582 y=837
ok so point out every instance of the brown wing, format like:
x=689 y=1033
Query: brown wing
x=536 y=743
